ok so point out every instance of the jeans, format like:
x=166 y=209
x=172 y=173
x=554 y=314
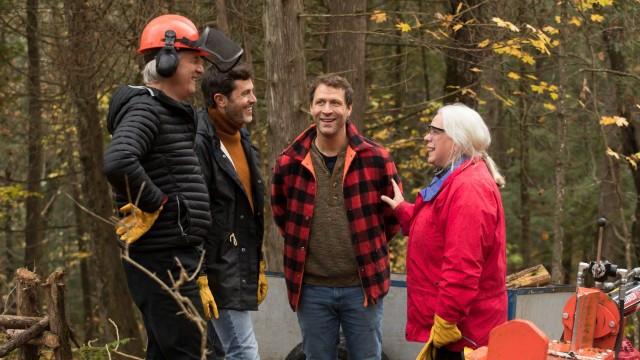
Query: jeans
x=170 y=335
x=323 y=310
x=235 y=331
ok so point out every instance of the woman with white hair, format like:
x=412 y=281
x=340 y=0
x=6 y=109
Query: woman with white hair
x=456 y=258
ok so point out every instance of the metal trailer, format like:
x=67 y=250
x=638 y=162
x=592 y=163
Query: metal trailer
x=278 y=334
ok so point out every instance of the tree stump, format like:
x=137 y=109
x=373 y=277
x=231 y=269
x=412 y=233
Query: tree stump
x=27 y=304
x=57 y=314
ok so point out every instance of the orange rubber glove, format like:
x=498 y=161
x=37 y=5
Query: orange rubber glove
x=136 y=222
x=263 y=286
x=208 y=303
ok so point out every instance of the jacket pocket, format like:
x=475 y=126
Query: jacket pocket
x=184 y=216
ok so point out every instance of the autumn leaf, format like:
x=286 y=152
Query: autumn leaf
x=613 y=120
x=457 y=27
x=379 y=16
x=553 y=96
x=612 y=153
x=484 y=43
x=604 y=3
x=537 y=89
x=597 y=18
x=403 y=26
x=557 y=19
x=527 y=59
x=505 y=24
x=550 y=30
x=475 y=69
x=549 y=106
x=512 y=75
x=575 y=21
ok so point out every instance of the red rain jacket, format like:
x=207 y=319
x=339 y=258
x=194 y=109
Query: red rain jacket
x=456 y=258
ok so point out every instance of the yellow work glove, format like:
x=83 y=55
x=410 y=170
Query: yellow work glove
x=208 y=303
x=263 y=286
x=136 y=222
x=428 y=351
x=444 y=332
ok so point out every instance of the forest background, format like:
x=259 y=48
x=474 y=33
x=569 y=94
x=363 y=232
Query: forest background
x=556 y=81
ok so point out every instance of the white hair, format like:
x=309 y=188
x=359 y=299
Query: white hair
x=470 y=135
x=150 y=74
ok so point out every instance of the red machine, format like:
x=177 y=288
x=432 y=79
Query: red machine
x=593 y=321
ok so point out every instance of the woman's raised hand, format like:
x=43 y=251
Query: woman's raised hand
x=397 y=196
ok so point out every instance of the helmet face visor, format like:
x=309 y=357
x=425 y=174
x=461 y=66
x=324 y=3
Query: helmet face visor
x=218 y=49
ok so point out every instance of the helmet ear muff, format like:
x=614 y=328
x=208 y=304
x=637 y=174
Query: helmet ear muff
x=167 y=58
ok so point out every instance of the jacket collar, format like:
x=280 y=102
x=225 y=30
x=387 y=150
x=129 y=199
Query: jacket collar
x=302 y=144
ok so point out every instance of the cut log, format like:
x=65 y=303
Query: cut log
x=533 y=276
x=25 y=336
x=47 y=338
x=17 y=322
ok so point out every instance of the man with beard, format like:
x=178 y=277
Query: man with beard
x=231 y=168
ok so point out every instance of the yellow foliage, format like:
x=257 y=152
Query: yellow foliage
x=549 y=106
x=484 y=43
x=457 y=27
x=597 y=18
x=379 y=16
x=557 y=19
x=505 y=24
x=553 y=96
x=537 y=89
x=575 y=21
x=403 y=26
x=613 y=120
x=528 y=59
x=550 y=30
x=514 y=76
x=475 y=69
x=612 y=153
x=532 y=77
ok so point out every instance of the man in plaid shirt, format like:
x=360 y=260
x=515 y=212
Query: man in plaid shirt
x=325 y=198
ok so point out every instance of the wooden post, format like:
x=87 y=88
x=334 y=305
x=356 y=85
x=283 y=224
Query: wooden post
x=27 y=305
x=57 y=314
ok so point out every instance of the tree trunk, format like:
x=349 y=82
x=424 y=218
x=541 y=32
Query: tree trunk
x=627 y=140
x=459 y=61
x=34 y=254
x=285 y=94
x=111 y=286
x=345 y=53
x=222 y=21
x=557 y=270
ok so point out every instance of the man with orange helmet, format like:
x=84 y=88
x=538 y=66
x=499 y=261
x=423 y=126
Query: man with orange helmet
x=151 y=157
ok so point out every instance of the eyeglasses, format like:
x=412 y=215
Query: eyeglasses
x=434 y=130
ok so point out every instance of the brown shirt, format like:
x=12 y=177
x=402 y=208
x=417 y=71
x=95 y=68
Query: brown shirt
x=331 y=260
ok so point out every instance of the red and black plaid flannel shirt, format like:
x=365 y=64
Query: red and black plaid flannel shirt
x=368 y=173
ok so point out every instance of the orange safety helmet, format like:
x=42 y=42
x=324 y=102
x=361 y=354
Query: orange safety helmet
x=153 y=35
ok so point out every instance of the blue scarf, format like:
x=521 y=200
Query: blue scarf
x=429 y=193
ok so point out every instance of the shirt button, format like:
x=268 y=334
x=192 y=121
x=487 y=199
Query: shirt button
x=302 y=248
x=243 y=249
x=244 y=282
x=241 y=216
x=306 y=218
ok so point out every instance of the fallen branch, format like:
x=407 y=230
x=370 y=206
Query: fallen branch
x=25 y=336
x=18 y=322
